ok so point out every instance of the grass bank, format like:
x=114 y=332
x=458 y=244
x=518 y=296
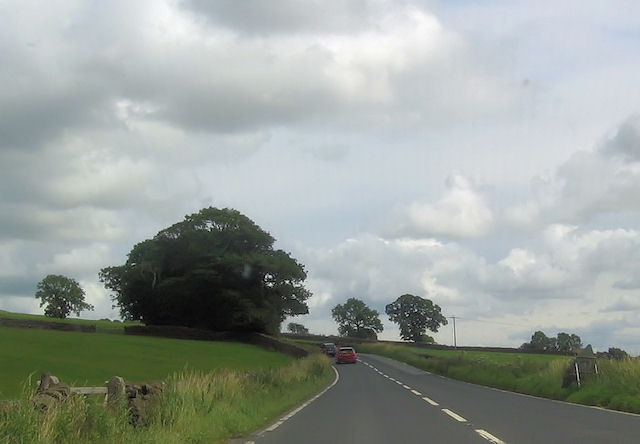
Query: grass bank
x=616 y=387
x=89 y=359
x=197 y=407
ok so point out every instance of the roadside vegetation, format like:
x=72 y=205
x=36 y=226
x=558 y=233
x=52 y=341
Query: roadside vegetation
x=617 y=386
x=197 y=407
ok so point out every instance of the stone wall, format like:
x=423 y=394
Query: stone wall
x=51 y=325
x=261 y=340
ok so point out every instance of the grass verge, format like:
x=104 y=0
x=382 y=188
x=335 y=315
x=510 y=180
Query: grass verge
x=197 y=407
x=616 y=387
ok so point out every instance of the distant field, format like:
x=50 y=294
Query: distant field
x=92 y=358
x=101 y=326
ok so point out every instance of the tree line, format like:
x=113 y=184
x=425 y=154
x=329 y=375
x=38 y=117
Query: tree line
x=413 y=314
x=563 y=343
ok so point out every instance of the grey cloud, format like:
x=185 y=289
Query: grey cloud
x=285 y=16
x=626 y=142
x=629 y=284
x=587 y=185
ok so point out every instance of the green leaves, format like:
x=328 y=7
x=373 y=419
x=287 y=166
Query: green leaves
x=216 y=269
x=62 y=296
x=414 y=315
x=357 y=320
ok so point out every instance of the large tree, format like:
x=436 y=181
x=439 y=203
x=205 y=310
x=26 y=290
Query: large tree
x=216 y=269
x=62 y=296
x=357 y=320
x=414 y=315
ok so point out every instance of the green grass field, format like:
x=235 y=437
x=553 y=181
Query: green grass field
x=91 y=358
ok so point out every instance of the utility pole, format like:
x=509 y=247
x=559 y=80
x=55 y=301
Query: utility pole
x=455 y=341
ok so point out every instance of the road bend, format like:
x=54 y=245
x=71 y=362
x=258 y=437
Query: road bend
x=379 y=400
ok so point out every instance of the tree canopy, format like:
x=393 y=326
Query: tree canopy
x=357 y=320
x=216 y=269
x=297 y=329
x=563 y=343
x=62 y=296
x=414 y=315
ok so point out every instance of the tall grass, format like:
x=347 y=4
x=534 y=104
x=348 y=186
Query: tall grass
x=196 y=407
x=616 y=387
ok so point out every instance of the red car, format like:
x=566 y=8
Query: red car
x=346 y=355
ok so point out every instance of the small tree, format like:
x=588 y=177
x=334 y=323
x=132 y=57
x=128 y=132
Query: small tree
x=62 y=295
x=357 y=320
x=415 y=315
x=297 y=329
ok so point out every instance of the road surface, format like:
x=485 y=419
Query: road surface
x=379 y=400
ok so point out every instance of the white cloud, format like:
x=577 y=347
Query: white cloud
x=460 y=213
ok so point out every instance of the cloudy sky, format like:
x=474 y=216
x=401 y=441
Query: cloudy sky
x=485 y=155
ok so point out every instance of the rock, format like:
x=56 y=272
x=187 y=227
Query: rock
x=115 y=389
x=47 y=380
x=50 y=391
x=141 y=397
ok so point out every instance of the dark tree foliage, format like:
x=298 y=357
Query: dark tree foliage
x=617 y=353
x=356 y=320
x=297 y=329
x=216 y=269
x=414 y=315
x=568 y=343
x=564 y=343
x=62 y=296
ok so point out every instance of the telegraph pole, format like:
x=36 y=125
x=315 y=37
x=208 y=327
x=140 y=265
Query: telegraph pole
x=455 y=340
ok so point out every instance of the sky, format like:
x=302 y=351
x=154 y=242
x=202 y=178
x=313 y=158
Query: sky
x=484 y=155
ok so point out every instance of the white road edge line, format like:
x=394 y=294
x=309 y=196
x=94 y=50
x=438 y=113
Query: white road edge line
x=430 y=401
x=279 y=422
x=454 y=415
x=489 y=437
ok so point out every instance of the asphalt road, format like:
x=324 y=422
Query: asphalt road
x=379 y=400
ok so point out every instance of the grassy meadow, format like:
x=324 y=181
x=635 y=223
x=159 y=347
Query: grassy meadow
x=89 y=359
x=616 y=387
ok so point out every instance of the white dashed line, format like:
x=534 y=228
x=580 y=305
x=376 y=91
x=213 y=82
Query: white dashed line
x=430 y=401
x=454 y=415
x=483 y=433
x=489 y=437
